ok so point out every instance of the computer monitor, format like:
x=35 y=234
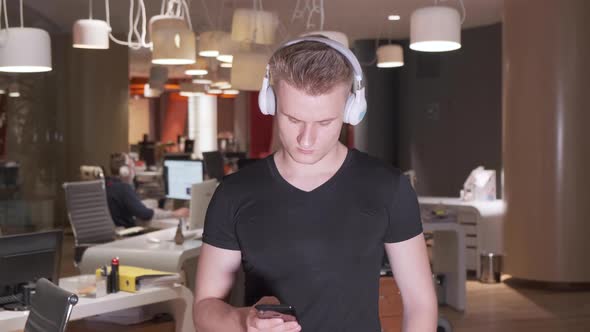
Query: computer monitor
x=201 y=194
x=24 y=258
x=213 y=164
x=180 y=175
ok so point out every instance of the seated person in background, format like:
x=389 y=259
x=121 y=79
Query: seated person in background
x=124 y=204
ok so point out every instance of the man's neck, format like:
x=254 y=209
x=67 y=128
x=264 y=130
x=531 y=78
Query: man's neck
x=329 y=164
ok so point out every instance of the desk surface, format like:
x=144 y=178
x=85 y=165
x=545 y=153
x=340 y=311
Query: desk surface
x=485 y=208
x=86 y=307
x=155 y=250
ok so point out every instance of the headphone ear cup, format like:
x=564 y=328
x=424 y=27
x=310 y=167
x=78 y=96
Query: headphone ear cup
x=356 y=108
x=271 y=101
x=348 y=109
x=124 y=171
x=266 y=98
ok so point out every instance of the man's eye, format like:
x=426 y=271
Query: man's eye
x=325 y=123
x=293 y=120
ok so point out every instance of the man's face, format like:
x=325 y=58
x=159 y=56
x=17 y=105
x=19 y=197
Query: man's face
x=309 y=126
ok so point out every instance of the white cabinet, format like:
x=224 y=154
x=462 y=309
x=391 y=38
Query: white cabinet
x=482 y=223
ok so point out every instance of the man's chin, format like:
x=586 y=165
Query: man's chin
x=305 y=158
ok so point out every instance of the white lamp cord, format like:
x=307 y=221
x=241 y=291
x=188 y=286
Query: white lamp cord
x=136 y=39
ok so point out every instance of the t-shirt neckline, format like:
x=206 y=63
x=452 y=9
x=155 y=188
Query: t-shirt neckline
x=277 y=175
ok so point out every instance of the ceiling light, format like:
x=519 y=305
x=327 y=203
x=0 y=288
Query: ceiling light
x=225 y=58
x=188 y=89
x=248 y=71
x=390 y=56
x=13 y=90
x=203 y=81
x=91 y=34
x=173 y=41
x=226 y=65
x=25 y=50
x=209 y=43
x=214 y=91
x=435 y=29
x=231 y=92
x=254 y=26
x=394 y=17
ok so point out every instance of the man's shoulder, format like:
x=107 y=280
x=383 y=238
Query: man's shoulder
x=370 y=167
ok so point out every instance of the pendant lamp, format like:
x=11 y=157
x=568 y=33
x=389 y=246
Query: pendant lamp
x=248 y=70
x=390 y=56
x=24 y=50
x=435 y=29
x=90 y=33
x=254 y=26
x=173 y=41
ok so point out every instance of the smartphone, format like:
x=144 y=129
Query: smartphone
x=284 y=311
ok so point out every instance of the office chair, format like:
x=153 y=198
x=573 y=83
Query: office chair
x=50 y=308
x=89 y=215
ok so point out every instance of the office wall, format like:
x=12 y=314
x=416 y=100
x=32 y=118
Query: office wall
x=440 y=114
x=451 y=113
x=139 y=119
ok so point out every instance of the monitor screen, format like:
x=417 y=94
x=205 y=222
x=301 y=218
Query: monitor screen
x=180 y=175
x=25 y=258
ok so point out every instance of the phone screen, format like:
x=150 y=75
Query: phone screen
x=283 y=311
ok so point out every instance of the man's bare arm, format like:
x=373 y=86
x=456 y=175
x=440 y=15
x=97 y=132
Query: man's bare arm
x=216 y=272
x=409 y=262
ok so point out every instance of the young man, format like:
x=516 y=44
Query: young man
x=124 y=204
x=309 y=223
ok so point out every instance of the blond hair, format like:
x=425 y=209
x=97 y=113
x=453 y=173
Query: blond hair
x=309 y=66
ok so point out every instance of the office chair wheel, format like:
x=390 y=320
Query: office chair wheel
x=443 y=325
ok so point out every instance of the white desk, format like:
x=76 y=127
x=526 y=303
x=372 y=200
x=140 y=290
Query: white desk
x=482 y=222
x=141 y=251
x=449 y=259
x=177 y=301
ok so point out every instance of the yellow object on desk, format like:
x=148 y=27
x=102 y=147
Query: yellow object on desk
x=132 y=279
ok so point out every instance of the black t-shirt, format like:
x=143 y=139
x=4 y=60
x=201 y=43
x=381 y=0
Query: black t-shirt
x=320 y=251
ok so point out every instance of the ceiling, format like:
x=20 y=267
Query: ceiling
x=358 y=19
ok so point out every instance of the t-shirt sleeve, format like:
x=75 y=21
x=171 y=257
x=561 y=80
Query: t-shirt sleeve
x=220 y=230
x=404 y=213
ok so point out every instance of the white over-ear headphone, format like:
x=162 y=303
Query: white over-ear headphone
x=125 y=170
x=356 y=104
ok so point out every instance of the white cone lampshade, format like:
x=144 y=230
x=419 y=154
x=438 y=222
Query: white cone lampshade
x=334 y=35
x=254 y=26
x=25 y=50
x=199 y=68
x=227 y=48
x=435 y=29
x=210 y=43
x=173 y=41
x=248 y=70
x=390 y=56
x=188 y=89
x=92 y=34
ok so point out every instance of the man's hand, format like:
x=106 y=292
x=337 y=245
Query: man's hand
x=181 y=213
x=255 y=324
